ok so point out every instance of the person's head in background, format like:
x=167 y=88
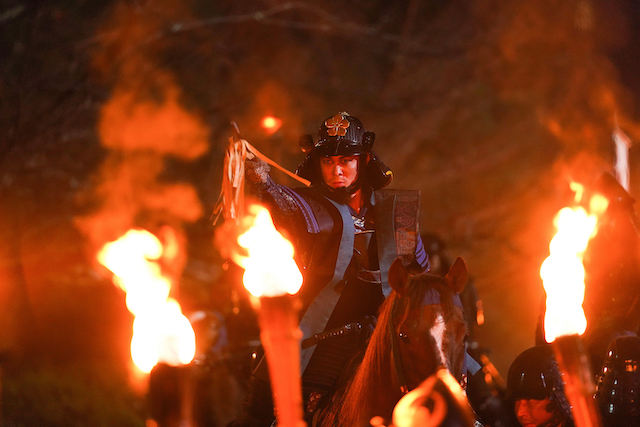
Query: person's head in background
x=439 y=262
x=536 y=390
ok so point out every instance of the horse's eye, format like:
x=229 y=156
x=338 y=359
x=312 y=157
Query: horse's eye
x=403 y=336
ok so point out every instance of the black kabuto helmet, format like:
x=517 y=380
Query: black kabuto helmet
x=535 y=374
x=344 y=135
x=618 y=387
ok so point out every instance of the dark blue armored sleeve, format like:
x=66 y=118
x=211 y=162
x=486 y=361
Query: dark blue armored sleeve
x=288 y=208
x=421 y=255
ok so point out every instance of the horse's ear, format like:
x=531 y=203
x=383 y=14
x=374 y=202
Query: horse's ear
x=458 y=275
x=398 y=276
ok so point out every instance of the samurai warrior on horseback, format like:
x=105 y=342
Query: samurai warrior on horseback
x=347 y=232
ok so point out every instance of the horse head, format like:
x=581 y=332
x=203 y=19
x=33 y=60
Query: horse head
x=426 y=322
x=420 y=329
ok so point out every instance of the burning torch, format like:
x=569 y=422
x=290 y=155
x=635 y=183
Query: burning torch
x=563 y=275
x=272 y=279
x=163 y=342
x=271 y=276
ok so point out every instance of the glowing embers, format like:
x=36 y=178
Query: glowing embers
x=270 y=269
x=161 y=333
x=563 y=272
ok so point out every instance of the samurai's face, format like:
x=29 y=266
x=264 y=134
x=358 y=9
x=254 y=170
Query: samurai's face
x=339 y=171
x=533 y=412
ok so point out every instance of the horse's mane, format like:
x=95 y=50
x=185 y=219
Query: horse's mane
x=368 y=384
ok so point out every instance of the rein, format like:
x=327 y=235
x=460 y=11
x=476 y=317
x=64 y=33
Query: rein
x=395 y=350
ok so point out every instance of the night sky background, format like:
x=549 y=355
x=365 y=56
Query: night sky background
x=115 y=114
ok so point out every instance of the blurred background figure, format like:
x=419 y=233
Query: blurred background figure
x=618 y=383
x=485 y=388
x=536 y=390
x=612 y=295
x=217 y=390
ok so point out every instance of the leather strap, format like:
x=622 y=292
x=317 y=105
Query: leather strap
x=395 y=350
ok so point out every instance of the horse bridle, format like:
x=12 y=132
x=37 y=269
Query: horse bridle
x=395 y=351
x=395 y=345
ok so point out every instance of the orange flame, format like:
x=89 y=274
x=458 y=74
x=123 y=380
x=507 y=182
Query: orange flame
x=563 y=273
x=161 y=333
x=270 y=269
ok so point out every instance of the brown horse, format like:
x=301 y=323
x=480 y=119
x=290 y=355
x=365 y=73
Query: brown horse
x=421 y=328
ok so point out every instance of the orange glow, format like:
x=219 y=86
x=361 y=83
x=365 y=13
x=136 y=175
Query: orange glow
x=161 y=333
x=479 y=313
x=563 y=272
x=270 y=269
x=270 y=124
x=578 y=189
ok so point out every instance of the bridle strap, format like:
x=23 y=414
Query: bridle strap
x=395 y=346
x=395 y=350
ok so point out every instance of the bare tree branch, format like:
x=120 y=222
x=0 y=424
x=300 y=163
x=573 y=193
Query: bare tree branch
x=11 y=13
x=329 y=24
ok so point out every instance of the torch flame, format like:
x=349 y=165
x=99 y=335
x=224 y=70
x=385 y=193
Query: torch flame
x=270 y=269
x=578 y=189
x=161 y=333
x=563 y=272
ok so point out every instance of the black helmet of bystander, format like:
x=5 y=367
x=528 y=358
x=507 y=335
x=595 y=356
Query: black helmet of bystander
x=618 y=383
x=535 y=374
